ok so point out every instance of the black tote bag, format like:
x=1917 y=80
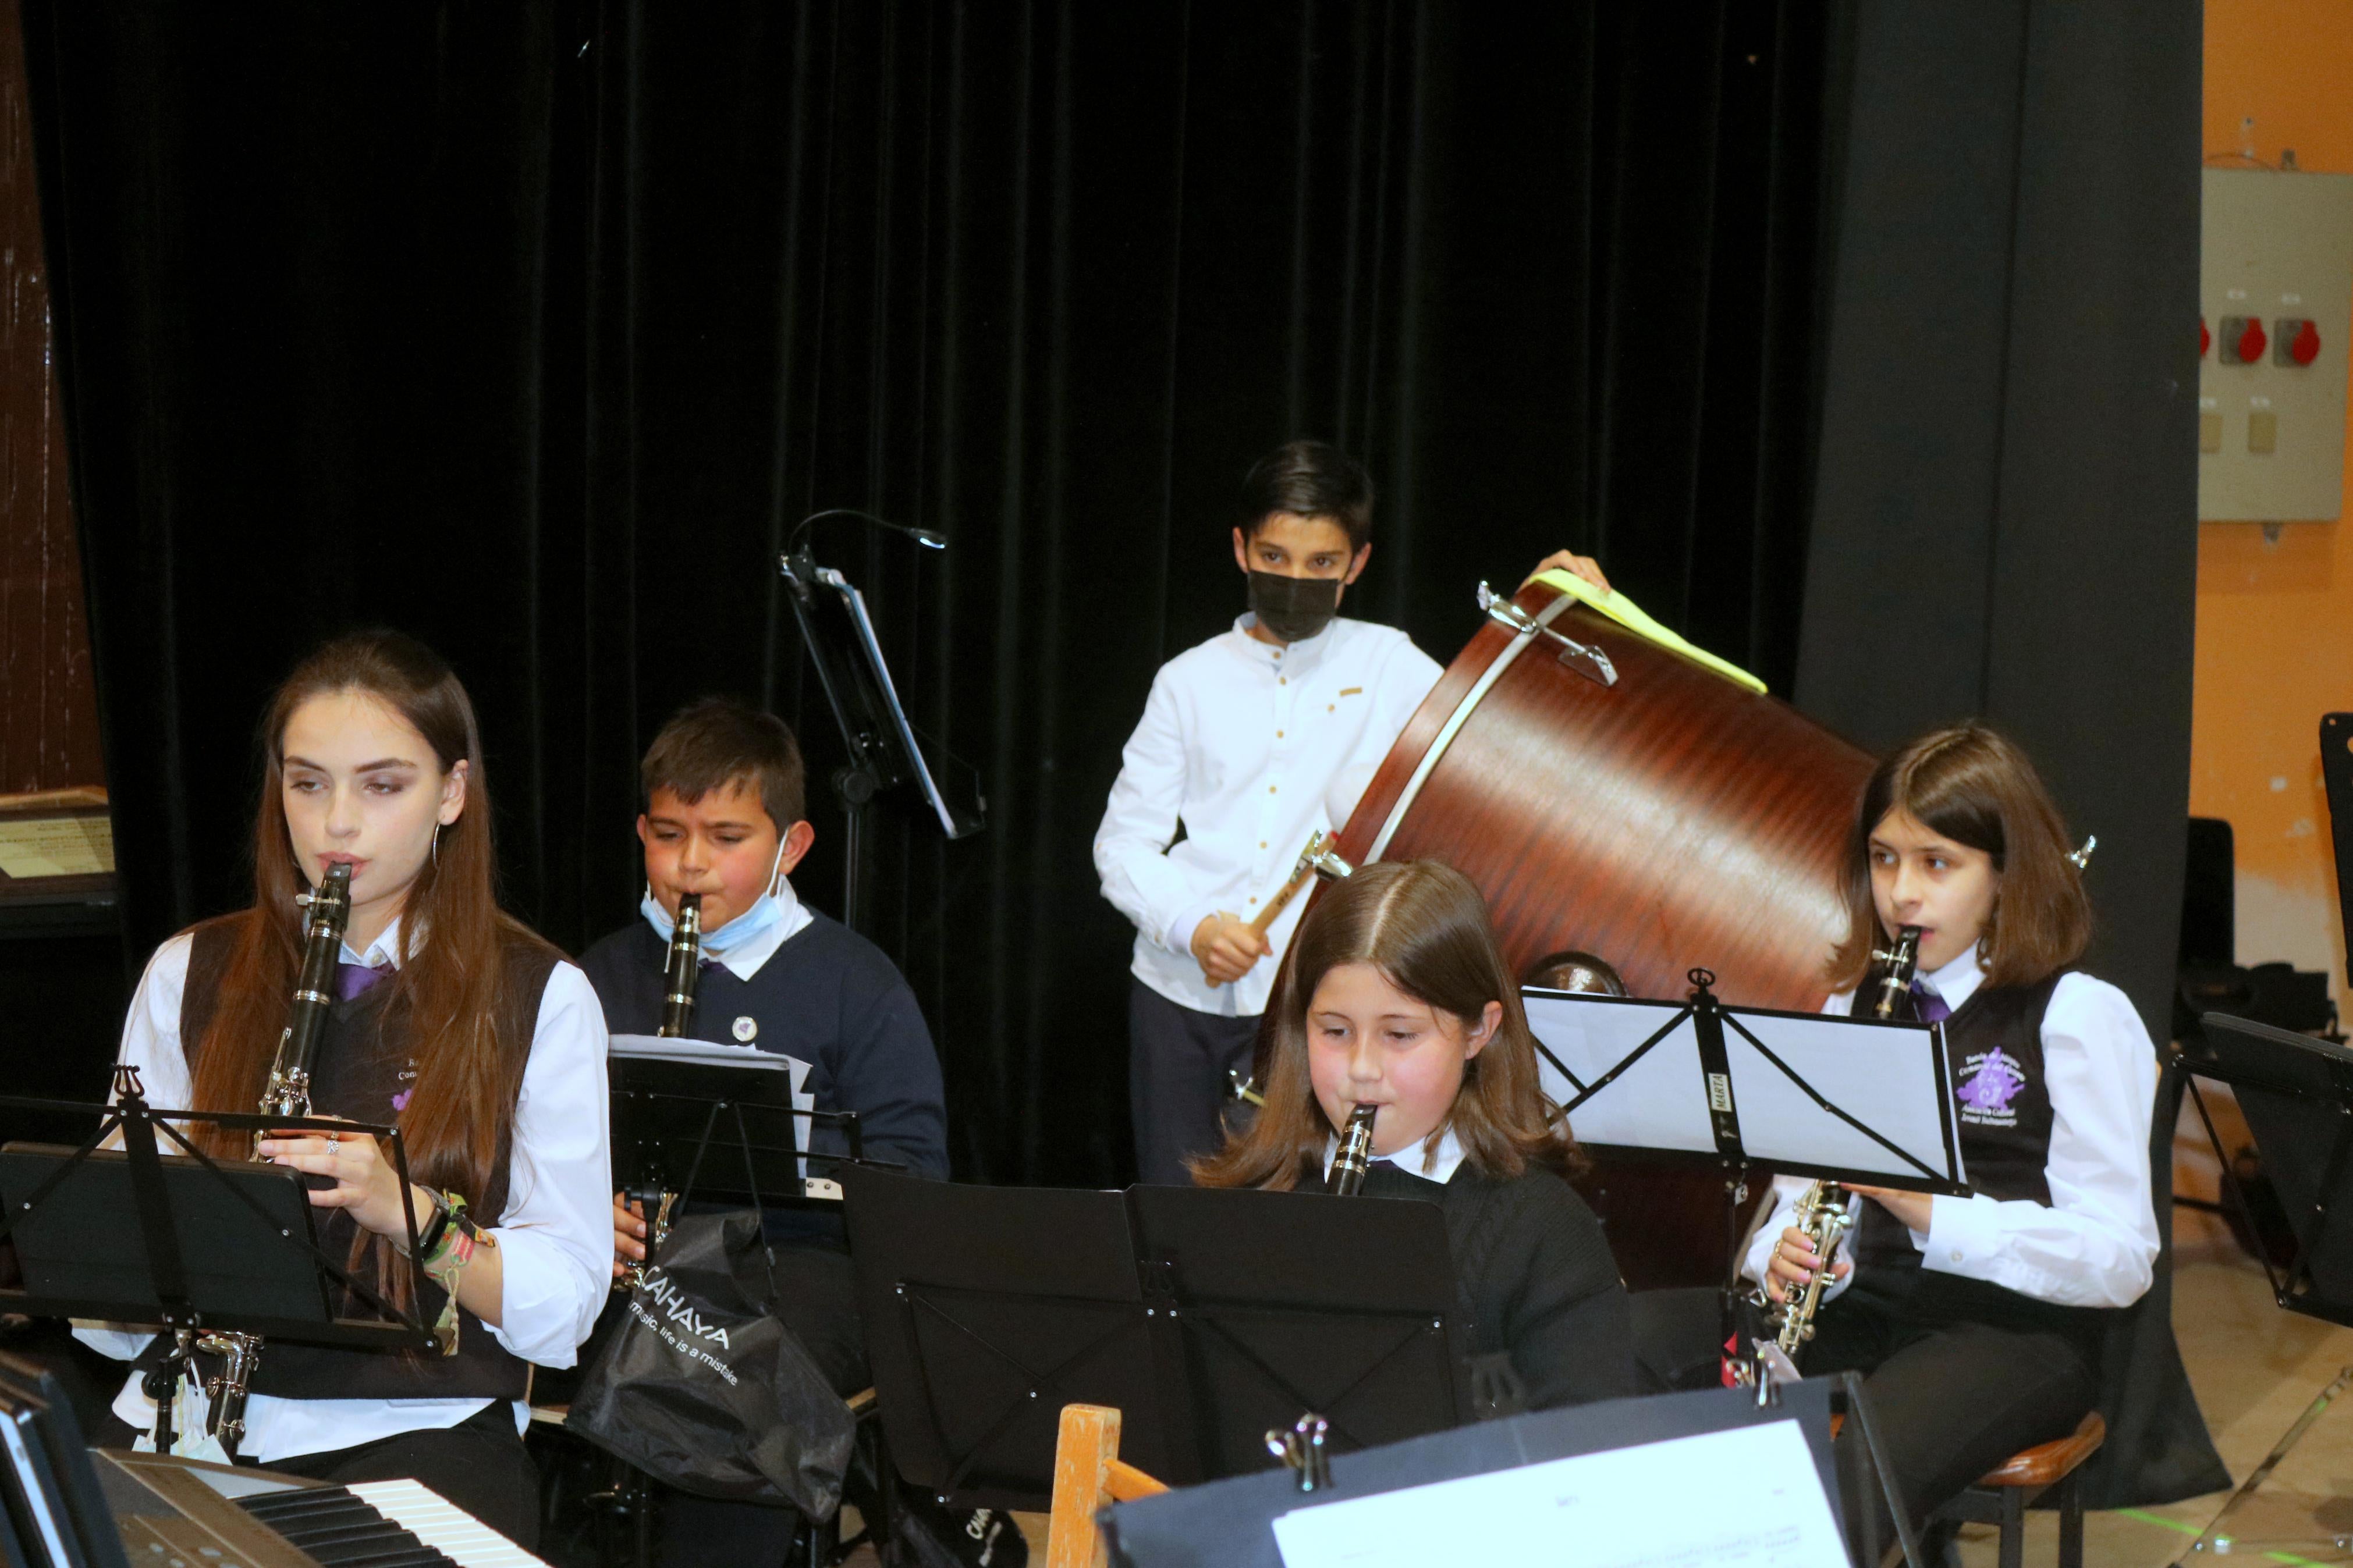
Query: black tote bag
x=705 y=1389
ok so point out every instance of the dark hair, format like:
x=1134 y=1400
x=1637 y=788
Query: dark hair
x=720 y=742
x=454 y=939
x=1425 y=928
x=1310 y=479
x=1574 y=970
x=1975 y=787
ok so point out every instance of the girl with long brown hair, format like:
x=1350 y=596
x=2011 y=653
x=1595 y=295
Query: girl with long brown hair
x=453 y=1021
x=1979 y=1321
x=1394 y=994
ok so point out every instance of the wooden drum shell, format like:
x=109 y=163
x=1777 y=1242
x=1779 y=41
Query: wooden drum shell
x=1671 y=820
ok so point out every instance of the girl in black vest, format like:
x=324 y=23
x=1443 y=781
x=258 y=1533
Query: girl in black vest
x=1394 y=994
x=1977 y=1320
x=453 y=1021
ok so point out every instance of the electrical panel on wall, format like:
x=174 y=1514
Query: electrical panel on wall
x=2276 y=292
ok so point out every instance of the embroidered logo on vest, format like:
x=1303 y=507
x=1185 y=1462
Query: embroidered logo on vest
x=1991 y=1082
x=408 y=1076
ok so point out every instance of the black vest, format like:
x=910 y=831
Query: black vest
x=364 y=1071
x=2001 y=1103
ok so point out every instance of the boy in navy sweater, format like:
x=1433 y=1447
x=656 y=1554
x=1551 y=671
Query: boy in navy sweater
x=724 y=818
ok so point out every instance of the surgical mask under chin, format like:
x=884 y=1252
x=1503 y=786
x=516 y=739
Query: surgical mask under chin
x=767 y=911
x=1294 y=608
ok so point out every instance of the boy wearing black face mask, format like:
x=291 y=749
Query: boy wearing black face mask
x=1252 y=741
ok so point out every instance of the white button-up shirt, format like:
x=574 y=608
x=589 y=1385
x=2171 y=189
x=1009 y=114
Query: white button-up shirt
x=1250 y=747
x=2095 y=1244
x=555 y=1239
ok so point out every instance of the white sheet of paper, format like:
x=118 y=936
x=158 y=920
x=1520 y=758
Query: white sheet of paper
x=1761 y=1505
x=661 y=1048
x=1882 y=1075
x=802 y=1101
x=56 y=845
x=1658 y=1104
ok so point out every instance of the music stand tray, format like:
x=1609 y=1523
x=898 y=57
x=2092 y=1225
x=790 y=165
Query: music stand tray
x=65 y=1209
x=1203 y=1316
x=1813 y=1094
x=1231 y=1523
x=2296 y=1092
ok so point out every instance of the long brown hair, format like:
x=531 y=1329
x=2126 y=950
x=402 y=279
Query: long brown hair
x=1425 y=928
x=453 y=933
x=1974 y=786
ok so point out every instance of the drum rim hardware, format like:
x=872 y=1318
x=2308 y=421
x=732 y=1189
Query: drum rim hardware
x=1583 y=658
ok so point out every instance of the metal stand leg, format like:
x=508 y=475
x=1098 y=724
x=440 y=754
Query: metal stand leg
x=2071 y=1523
x=2217 y=1539
x=2013 y=1527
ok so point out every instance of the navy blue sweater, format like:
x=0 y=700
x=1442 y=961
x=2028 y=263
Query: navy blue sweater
x=828 y=997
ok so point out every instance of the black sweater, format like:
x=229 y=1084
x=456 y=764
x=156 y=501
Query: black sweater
x=828 y=997
x=1537 y=1280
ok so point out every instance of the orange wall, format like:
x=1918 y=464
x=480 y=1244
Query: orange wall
x=2275 y=615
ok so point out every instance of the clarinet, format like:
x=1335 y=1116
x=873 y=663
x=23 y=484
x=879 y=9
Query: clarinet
x=1822 y=1213
x=289 y=1095
x=683 y=972
x=1355 y=1155
x=682 y=979
x=1897 y=965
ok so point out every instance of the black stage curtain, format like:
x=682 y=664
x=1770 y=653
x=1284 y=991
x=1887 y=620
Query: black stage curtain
x=532 y=329
x=2006 y=522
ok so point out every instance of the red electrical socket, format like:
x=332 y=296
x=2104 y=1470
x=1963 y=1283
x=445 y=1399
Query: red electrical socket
x=2297 y=341
x=2240 y=340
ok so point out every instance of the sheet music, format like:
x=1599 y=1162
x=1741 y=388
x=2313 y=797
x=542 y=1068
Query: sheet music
x=1885 y=1076
x=1656 y=1103
x=714 y=1053
x=1761 y=1506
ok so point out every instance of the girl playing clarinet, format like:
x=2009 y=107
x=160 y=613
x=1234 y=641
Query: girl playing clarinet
x=1976 y=1320
x=450 y=1020
x=1395 y=994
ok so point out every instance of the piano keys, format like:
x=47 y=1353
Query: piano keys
x=172 y=1510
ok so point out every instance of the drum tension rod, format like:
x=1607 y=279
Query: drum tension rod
x=1583 y=658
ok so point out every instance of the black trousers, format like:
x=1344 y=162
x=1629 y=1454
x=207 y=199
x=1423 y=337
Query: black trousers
x=480 y=1465
x=1952 y=1395
x=1951 y=1399
x=1177 y=1092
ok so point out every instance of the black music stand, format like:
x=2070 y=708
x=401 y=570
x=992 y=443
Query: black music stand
x=2296 y=1092
x=1735 y=1088
x=1231 y=1523
x=885 y=758
x=1205 y=1317
x=64 y=1208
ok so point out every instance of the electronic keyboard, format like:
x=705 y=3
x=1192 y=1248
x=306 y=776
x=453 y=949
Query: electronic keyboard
x=184 y=1513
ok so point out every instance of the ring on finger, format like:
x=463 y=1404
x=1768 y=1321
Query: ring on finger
x=334 y=1137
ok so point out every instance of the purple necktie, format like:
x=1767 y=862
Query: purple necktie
x=1930 y=1006
x=351 y=979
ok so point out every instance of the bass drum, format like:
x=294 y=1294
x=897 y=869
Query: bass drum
x=1670 y=820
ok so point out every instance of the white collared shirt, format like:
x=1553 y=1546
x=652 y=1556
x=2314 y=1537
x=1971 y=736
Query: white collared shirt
x=555 y=1239
x=744 y=959
x=2095 y=1244
x=1432 y=1163
x=1251 y=748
